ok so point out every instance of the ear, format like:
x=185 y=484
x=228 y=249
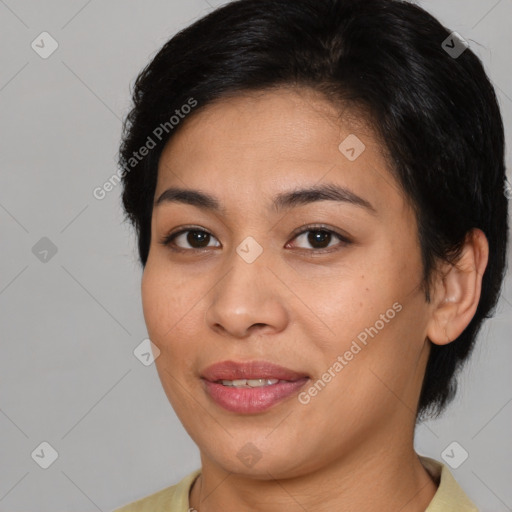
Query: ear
x=458 y=289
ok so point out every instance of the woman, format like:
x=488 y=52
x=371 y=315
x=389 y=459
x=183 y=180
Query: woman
x=318 y=191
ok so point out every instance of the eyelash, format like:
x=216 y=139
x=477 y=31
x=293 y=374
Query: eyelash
x=344 y=241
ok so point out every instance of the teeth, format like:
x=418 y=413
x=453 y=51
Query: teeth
x=250 y=383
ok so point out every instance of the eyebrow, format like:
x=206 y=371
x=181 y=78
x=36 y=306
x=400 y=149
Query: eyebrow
x=284 y=200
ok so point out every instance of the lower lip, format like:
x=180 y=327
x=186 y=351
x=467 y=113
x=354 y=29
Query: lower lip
x=251 y=400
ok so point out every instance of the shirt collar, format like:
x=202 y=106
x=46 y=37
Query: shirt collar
x=449 y=496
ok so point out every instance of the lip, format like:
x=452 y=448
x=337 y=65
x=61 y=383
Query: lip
x=231 y=370
x=250 y=400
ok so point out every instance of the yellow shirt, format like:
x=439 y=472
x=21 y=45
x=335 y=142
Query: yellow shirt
x=448 y=498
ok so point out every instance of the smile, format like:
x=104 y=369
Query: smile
x=250 y=383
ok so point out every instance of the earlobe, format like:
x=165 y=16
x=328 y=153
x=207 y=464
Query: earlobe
x=458 y=291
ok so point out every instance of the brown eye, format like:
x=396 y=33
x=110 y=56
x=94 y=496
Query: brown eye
x=320 y=238
x=195 y=238
x=201 y=238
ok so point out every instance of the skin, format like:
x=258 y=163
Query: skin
x=298 y=309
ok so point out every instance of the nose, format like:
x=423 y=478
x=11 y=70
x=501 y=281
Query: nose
x=247 y=300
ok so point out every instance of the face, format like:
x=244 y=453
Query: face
x=325 y=284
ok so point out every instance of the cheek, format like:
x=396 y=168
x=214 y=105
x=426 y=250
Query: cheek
x=166 y=313
x=163 y=303
x=171 y=307
x=372 y=315
x=153 y=300
x=346 y=303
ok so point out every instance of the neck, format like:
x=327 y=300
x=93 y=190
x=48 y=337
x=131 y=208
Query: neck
x=388 y=476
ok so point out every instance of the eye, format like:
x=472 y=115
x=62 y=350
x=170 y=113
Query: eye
x=196 y=238
x=320 y=238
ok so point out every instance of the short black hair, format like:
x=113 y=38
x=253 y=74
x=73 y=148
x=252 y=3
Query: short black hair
x=434 y=110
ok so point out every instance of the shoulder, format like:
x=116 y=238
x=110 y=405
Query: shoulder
x=449 y=496
x=170 y=499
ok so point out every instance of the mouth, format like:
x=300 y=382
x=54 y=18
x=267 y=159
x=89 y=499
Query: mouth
x=250 y=387
x=255 y=373
x=250 y=383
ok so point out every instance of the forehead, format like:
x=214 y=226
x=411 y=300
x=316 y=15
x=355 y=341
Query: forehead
x=287 y=118
x=254 y=144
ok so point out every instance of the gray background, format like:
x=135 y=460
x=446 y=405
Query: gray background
x=69 y=325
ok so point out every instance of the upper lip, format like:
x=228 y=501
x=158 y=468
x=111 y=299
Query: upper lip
x=231 y=370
